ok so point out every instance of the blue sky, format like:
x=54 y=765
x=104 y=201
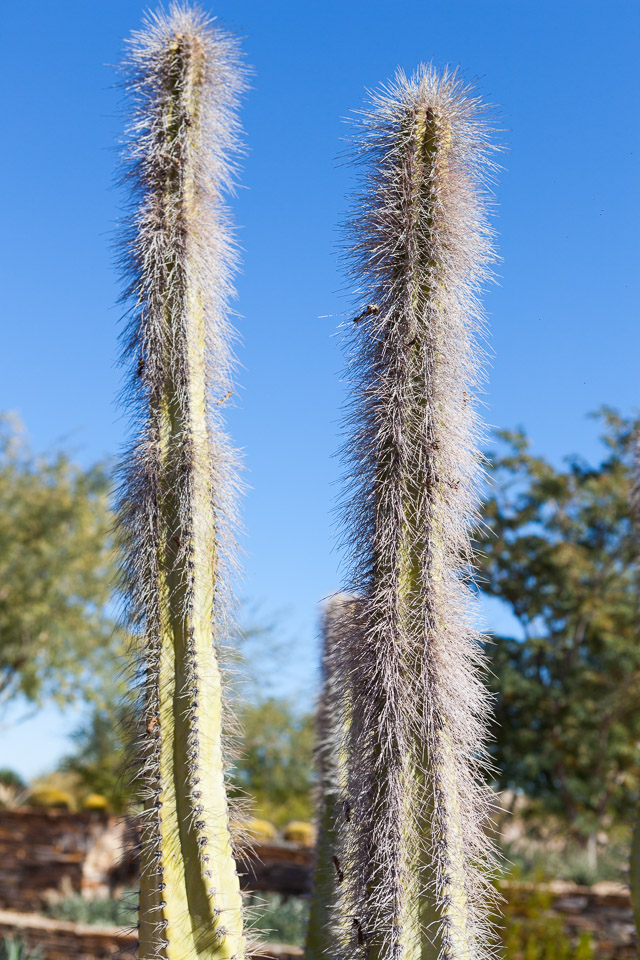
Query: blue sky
x=563 y=319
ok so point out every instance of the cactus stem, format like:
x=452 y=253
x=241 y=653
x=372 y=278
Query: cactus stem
x=414 y=854
x=175 y=499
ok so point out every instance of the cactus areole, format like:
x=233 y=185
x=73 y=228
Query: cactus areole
x=177 y=481
x=413 y=853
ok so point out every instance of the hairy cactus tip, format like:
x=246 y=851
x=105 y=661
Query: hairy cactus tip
x=414 y=856
x=178 y=479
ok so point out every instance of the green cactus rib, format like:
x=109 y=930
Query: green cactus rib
x=176 y=485
x=415 y=855
x=442 y=899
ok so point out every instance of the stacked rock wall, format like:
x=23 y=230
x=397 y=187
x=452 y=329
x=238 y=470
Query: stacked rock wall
x=45 y=854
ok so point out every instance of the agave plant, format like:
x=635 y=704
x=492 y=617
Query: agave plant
x=11 y=949
x=178 y=479
x=411 y=856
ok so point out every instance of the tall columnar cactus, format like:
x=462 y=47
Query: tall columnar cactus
x=413 y=854
x=634 y=860
x=332 y=721
x=634 y=870
x=178 y=479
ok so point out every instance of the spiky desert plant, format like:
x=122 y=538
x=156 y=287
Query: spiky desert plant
x=634 y=860
x=634 y=871
x=331 y=726
x=413 y=857
x=177 y=498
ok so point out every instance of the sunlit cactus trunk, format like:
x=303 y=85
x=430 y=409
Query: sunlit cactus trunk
x=413 y=855
x=177 y=492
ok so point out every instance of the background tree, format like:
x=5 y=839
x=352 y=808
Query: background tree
x=274 y=765
x=102 y=746
x=559 y=551
x=9 y=778
x=57 y=639
x=276 y=760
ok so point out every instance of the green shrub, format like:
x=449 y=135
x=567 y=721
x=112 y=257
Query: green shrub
x=541 y=862
x=109 y=912
x=529 y=931
x=279 y=919
x=9 y=778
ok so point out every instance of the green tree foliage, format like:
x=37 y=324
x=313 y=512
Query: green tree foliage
x=9 y=778
x=56 y=573
x=100 y=757
x=529 y=929
x=559 y=551
x=276 y=761
x=275 y=749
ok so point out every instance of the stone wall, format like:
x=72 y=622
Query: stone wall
x=44 y=852
x=604 y=911
x=605 y=914
x=59 y=940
